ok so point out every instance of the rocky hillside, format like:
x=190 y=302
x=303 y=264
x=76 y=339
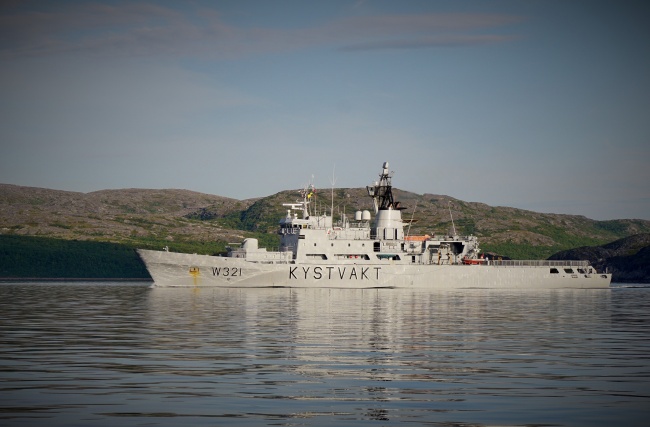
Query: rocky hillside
x=116 y=215
x=174 y=217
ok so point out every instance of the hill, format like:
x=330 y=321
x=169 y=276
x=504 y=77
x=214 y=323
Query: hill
x=136 y=217
x=188 y=221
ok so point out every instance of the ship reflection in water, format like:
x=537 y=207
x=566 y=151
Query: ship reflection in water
x=474 y=357
x=109 y=354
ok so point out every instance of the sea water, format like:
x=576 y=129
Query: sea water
x=105 y=354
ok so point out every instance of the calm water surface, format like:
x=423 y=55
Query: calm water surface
x=105 y=354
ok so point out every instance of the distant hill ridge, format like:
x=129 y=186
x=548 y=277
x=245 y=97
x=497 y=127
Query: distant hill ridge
x=110 y=215
x=182 y=219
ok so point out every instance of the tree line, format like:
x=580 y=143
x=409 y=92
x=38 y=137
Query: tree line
x=43 y=257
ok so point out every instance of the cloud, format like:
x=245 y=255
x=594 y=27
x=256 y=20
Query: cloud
x=427 y=42
x=127 y=29
x=143 y=29
x=421 y=23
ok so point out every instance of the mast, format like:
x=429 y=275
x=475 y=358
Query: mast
x=382 y=191
x=408 y=232
x=452 y=218
x=388 y=223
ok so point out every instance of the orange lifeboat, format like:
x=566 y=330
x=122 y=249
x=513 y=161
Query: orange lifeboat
x=417 y=238
x=473 y=261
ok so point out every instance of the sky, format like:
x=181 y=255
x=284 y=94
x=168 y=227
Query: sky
x=535 y=104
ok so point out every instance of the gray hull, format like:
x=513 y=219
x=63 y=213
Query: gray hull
x=189 y=270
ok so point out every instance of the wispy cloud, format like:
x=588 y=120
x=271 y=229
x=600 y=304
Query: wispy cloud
x=427 y=42
x=129 y=29
x=140 y=29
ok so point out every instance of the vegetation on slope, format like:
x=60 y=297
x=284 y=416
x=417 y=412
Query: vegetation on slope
x=191 y=222
x=42 y=257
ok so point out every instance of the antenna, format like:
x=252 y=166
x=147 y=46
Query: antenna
x=333 y=181
x=452 y=218
x=312 y=193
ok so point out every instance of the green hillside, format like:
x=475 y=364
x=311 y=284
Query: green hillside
x=42 y=257
x=49 y=232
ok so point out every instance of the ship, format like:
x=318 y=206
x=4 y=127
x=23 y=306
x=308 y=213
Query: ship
x=364 y=251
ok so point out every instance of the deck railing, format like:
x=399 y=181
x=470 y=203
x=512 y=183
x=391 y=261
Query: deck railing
x=539 y=263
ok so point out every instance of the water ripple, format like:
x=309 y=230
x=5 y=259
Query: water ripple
x=97 y=354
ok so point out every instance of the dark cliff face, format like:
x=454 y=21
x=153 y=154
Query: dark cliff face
x=627 y=259
x=633 y=268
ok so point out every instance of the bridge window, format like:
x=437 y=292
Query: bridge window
x=554 y=271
